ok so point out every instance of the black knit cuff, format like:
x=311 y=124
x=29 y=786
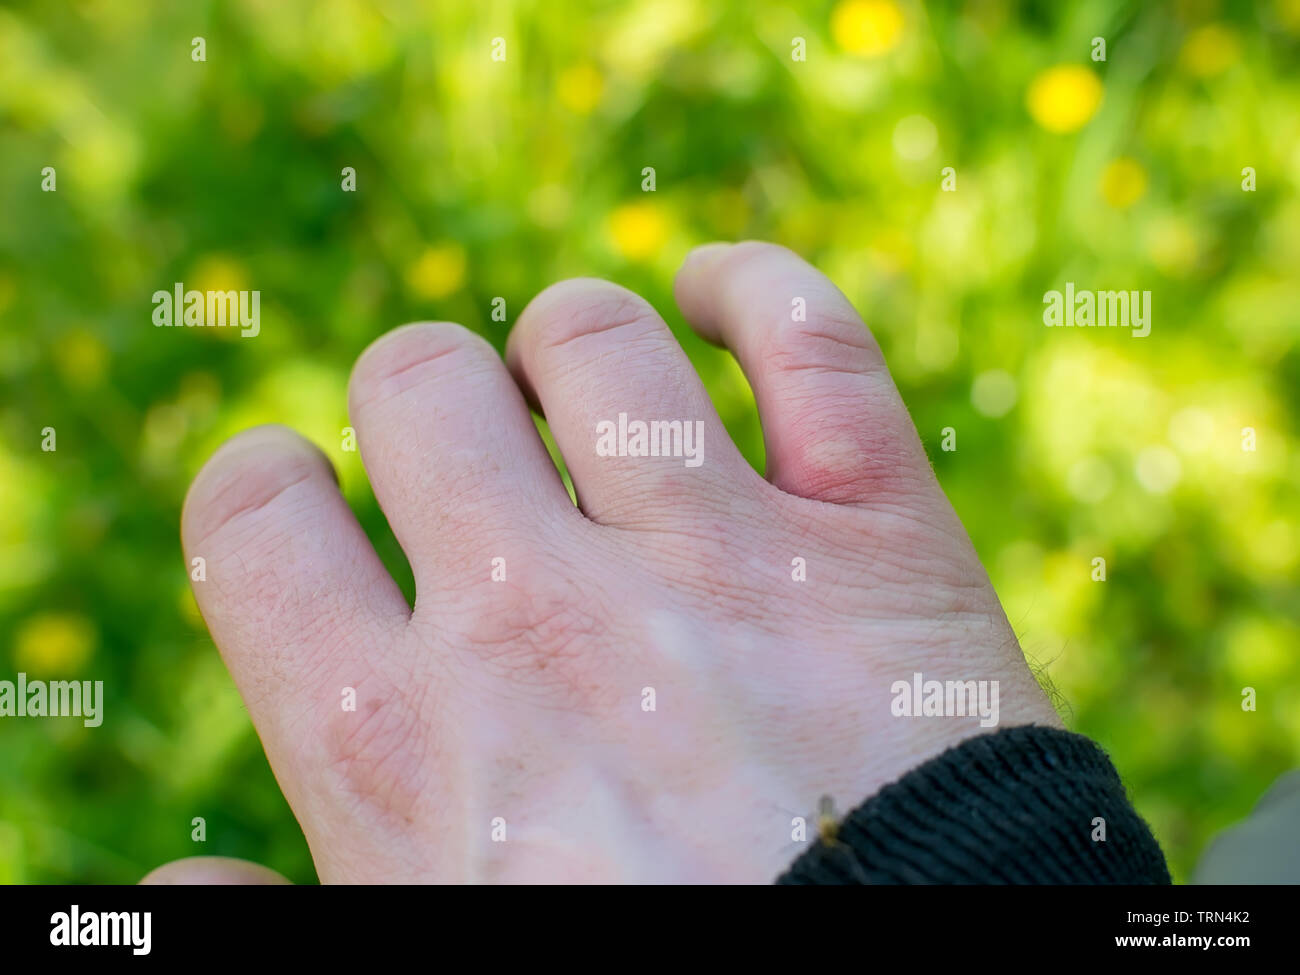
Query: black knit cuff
x=1026 y=805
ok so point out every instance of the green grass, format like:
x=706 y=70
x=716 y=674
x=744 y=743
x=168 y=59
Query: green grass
x=478 y=179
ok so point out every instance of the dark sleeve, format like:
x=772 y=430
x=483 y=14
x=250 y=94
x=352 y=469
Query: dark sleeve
x=1019 y=806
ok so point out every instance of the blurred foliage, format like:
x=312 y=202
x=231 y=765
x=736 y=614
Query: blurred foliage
x=478 y=179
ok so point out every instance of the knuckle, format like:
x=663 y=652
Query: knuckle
x=832 y=340
x=377 y=756
x=415 y=354
x=248 y=483
x=572 y=310
x=829 y=336
x=543 y=637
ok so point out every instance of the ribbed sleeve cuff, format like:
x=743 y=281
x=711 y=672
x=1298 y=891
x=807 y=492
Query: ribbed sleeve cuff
x=1025 y=805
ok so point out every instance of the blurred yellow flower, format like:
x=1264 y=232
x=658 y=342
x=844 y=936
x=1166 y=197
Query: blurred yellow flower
x=1123 y=182
x=1063 y=98
x=53 y=643
x=639 y=229
x=580 y=88
x=217 y=272
x=81 y=359
x=1209 y=50
x=438 y=272
x=867 y=27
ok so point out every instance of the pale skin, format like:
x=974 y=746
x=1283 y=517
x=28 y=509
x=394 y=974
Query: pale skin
x=522 y=702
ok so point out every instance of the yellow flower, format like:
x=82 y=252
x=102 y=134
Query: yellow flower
x=639 y=229
x=1064 y=98
x=53 y=643
x=438 y=272
x=1209 y=50
x=1123 y=182
x=81 y=358
x=867 y=27
x=216 y=272
x=580 y=88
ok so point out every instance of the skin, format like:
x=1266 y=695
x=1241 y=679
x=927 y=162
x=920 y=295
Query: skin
x=522 y=699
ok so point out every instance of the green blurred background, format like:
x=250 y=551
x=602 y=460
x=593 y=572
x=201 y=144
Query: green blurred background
x=478 y=179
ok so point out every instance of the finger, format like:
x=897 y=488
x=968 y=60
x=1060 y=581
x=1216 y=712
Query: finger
x=213 y=871
x=287 y=581
x=834 y=424
x=451 y=449
x=638 y=432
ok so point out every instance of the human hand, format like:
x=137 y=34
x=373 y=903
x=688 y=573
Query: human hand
x=519 y=707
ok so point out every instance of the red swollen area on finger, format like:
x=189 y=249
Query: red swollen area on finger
x=834 y=425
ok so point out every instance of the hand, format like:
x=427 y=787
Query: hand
x=520 y=706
